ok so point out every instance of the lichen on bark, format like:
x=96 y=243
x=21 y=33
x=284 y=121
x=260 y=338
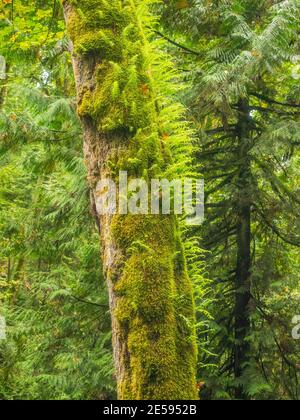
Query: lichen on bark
x=125 y=101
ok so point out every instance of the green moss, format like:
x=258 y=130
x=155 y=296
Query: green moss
x=85 y=106
x=156 y=310
x=113 y=37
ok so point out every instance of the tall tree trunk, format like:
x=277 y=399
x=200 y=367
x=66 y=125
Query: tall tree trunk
x=243 y=292
x=151 y=299
x=3 y=85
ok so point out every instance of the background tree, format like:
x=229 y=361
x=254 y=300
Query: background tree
x=244 y=100
x=52 y=291
x=239 y=62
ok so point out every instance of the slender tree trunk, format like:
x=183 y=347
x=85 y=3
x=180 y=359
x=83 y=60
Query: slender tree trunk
x=8 y=277
x=151 y=300
x=3 y=86
x=243 y=293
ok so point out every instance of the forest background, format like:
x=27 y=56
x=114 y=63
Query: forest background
x=237 y=75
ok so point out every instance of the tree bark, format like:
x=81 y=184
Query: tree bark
x=150 y=294
x=3 y=86
x=243 y=271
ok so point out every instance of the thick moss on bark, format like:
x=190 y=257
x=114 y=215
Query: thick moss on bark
x=155 y=309
x=121 y=97
x=151 y=295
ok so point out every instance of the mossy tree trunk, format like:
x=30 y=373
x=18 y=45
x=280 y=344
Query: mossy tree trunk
x=151 y=299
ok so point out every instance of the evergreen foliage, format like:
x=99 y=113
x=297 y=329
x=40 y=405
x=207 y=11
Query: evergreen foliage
x=198 y=88
x=239 y=58
x=52 y=292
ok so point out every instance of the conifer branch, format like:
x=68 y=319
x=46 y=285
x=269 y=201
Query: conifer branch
x=273 y=101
